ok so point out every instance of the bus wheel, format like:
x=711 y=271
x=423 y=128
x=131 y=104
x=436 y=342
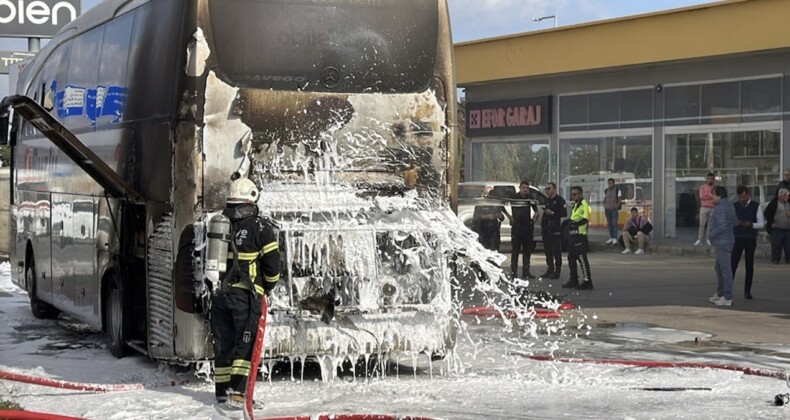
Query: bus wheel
x=114 y=317
x=40 y=309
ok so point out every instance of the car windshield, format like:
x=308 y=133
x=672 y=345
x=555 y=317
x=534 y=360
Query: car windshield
x=470 y=191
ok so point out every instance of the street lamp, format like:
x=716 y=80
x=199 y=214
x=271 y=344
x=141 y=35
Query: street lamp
x=538 y=19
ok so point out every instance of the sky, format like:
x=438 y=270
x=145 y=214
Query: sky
x=476 y=19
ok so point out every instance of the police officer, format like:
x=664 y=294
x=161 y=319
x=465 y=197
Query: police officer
x=577 y=241
x=254 y=268
x=522 y=224
x=553 y=213
x=486 y=221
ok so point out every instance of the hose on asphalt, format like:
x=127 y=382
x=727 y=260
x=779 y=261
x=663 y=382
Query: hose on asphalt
x=649 y=363
x=74 y=386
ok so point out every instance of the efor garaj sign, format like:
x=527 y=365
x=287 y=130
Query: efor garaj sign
x=509 y=117
x=36 y=18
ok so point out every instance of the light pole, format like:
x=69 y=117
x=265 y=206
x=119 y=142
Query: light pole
x=538 y=19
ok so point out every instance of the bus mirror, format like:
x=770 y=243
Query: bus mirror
x=4 y=120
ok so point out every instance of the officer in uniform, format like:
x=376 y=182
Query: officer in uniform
x=522 y=228
x=254 y=268
x=553 y=213
x=486 y=221
x=577 y=241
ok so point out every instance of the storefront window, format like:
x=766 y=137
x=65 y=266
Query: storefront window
x=590 y=162
x=724 y=102
x=512 y=162
x=606 y=110
x=748 y=158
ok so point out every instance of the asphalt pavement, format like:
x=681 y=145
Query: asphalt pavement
x=672 y=291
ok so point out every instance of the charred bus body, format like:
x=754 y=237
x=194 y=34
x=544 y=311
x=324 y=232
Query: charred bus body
x=139 y=112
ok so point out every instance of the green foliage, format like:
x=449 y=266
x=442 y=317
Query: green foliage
x=9 y=405
x=516 y=162
x=5 y=155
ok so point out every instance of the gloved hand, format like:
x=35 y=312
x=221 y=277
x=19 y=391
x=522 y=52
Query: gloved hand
x=573 y=225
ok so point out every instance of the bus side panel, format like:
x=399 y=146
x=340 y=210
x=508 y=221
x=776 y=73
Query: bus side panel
x=84 y=275
x=35 y=209
x=63 y=255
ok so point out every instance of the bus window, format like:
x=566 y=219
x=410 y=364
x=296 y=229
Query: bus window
x=54 y=74
x=326 y=46
x=151 y=73
x=79 y=92
x=111 y=90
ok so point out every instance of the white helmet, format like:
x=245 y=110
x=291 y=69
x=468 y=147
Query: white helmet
x=243 y=190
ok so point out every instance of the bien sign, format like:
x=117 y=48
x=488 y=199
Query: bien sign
x=36 y=18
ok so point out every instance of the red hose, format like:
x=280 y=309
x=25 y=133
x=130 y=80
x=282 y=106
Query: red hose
x=256 y=358
x=32 y=415
x=646 y=363
x=95 y=388
x=540 y=313
x=349 y=417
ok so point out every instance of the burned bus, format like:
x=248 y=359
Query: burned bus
x=137 y=115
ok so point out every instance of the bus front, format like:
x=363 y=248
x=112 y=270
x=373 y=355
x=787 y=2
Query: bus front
x=343 y=113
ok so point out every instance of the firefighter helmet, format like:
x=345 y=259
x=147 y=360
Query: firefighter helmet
x=243 y=191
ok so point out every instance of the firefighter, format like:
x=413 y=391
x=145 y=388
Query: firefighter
x=253 y=270
x=577 y=241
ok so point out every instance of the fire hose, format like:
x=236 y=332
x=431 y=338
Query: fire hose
x=649 y=363
x=779 y=399
x=537 y=313
x=247 y=409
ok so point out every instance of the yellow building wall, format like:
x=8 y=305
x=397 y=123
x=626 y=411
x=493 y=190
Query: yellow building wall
x=722 y=28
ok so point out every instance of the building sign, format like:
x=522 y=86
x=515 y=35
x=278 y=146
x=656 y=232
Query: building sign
x=509 y=117
x=10 y=57
x=36 y=18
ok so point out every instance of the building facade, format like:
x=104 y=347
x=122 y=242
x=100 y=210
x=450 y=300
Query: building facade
x=654 y=101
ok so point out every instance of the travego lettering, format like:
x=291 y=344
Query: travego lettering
x=270 y=78
x=34 y=12
x=519 y=116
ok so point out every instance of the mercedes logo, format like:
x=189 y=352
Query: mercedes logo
x=330 y=77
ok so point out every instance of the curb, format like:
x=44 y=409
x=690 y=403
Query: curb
x=679 y=250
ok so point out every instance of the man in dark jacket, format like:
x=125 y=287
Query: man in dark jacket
x=486 y=221
x=750 y=221
x=253 y=270
x=777 y=222
x=522 y=224
x=785 y=182
x=553 y=213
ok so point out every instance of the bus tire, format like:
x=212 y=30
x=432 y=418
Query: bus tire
x=115 y=317
x=40 y=309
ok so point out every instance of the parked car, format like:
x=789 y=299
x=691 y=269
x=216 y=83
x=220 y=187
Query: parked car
x=472 y=194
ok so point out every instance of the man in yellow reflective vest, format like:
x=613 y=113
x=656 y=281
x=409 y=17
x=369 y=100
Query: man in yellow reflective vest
x=254 y=269
x=577 y=241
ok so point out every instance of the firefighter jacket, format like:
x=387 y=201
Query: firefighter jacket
x=256 y=243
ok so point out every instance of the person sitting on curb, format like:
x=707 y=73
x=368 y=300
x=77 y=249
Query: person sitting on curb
x=637 y=229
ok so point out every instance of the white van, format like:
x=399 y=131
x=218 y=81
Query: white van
x=471 y=194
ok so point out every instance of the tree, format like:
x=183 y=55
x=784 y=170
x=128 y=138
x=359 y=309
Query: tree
x=5 y=155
